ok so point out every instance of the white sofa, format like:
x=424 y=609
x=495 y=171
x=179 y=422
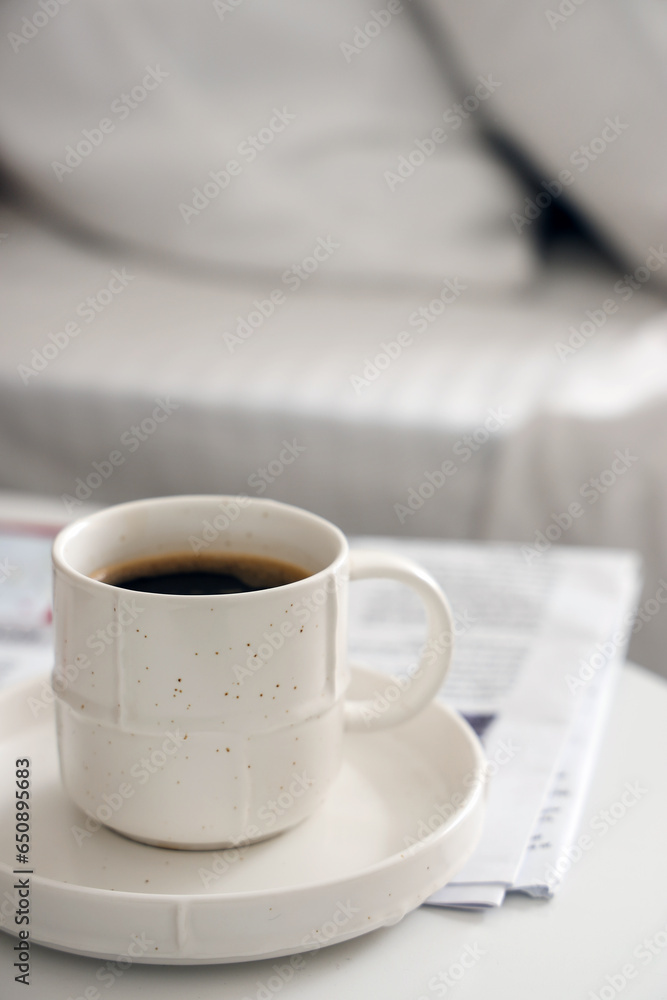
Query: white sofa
x=434 y=375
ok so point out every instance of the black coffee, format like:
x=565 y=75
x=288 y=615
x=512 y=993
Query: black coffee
x=206 y=573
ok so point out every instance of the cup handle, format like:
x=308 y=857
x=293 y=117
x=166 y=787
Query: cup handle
x=423 y=684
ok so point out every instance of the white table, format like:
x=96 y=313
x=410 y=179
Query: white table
x=611 y=901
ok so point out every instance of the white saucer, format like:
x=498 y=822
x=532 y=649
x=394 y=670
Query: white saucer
x=345 y=871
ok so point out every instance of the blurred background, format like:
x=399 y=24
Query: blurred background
x=399 y=262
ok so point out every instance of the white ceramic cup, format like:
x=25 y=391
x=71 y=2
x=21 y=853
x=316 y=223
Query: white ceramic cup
x=208 y=721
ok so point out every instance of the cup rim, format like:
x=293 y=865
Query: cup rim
x=62 y=565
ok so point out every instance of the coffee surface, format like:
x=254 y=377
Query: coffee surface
x=204 y=573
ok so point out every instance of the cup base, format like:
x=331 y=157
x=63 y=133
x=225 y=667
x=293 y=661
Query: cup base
x=178 y=791
x=218 y=845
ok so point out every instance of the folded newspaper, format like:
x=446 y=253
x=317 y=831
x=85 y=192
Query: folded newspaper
x=539 y=639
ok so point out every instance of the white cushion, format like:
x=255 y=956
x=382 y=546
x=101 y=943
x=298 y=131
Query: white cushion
x=360 y=96
x=567 y=69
